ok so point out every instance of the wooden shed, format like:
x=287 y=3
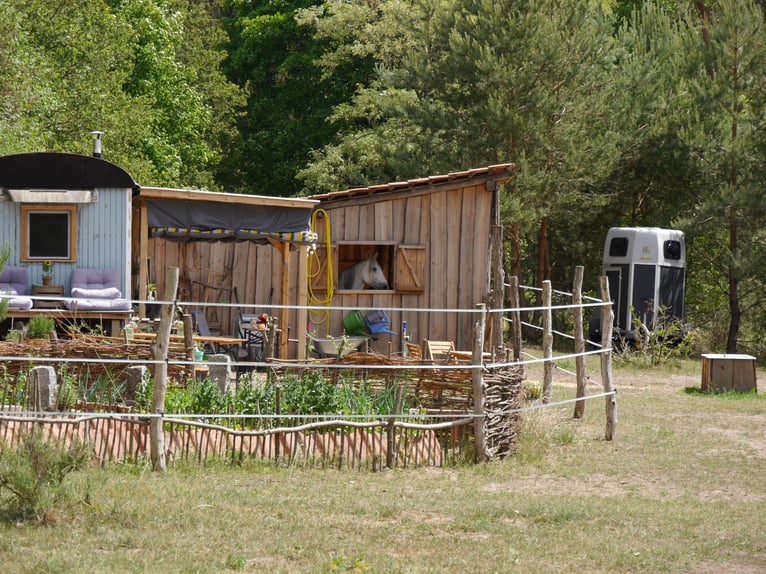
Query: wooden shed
x=248 y=252
x=433 y=238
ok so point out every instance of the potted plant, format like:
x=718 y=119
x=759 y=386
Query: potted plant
x=47 y=272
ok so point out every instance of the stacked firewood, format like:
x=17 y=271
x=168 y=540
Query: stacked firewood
x=503 y=394
x=17 y=357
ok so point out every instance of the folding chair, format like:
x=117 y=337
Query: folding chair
x=438 y=351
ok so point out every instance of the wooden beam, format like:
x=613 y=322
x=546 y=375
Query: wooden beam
x=303 y=284
x=284 y=299
x=237 y=198
x=143 y=258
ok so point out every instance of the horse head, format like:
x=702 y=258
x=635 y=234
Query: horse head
x=365 y=272
x=372 y=274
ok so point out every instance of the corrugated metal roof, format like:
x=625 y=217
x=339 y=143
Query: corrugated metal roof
x=61 y=171
x=500 y=172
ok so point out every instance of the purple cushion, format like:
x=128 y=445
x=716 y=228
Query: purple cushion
x=14 y=278
x=96 y=290
x=98 y=305
x=95 y=278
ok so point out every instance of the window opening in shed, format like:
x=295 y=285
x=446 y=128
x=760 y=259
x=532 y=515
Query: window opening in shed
x=350 y=254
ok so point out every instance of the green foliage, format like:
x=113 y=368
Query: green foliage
x=289 y=98
x=32 y=475
x=40 y=326
x=669 y=343
x=146 y=72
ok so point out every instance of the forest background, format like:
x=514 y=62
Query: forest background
x=616 y=112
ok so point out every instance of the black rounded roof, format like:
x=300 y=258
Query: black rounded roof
x=52 y=170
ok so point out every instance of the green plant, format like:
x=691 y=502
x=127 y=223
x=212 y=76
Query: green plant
x=40 y=326
x=14 y=335
x=32 y=473
x=670 y=341
x=533 y=391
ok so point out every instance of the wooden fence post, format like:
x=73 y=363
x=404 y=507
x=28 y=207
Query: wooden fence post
x=547 y=343
x=160 y=353
x=478 y=382
x=607 y=324
x=498 y=290
x=515 y=319
x=579 y=342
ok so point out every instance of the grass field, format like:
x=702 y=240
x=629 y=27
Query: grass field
x=682 y=488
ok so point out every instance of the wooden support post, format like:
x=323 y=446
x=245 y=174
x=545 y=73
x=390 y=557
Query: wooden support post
x=579 y=341
x=284 y=299
x=547 y=342
x=515 y=319
x=189 y=340
x=303 y=298
x=160 y=353
x=143 y=258
x=478 y=382
x=391 y=428
x=607 y=324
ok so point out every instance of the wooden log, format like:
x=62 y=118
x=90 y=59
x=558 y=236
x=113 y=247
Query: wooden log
x=478 y=382
x=607 y=324
x=579 y=342
x=160 y=353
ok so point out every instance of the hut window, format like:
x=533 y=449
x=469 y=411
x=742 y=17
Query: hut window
x=48 y=232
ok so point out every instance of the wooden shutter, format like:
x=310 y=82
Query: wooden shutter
x=410 y=268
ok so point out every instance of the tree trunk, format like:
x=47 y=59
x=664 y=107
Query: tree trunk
x=543 y=272
x=160 y=353
x=735 y=313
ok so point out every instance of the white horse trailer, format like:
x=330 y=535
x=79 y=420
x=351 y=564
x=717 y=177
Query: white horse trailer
x=646 y=271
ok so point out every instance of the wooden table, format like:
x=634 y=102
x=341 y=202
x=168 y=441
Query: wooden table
x=224 y=345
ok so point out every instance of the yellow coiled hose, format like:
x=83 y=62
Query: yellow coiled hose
x=315 y=269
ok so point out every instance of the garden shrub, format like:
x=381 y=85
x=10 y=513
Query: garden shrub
x=32 y=474
x=40 y=326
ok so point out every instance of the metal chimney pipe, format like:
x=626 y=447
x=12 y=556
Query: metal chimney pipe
x=96 y=143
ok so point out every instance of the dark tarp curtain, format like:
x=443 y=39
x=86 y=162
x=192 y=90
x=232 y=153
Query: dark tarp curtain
x=183 y=220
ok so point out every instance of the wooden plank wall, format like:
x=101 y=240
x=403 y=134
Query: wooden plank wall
x=454 y=226
x=227 y=272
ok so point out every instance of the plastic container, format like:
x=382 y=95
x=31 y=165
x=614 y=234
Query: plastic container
x=354 y=323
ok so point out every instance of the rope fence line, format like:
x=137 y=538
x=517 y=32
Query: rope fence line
x=388 y=423
x=318 y=308
x=68 y=417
